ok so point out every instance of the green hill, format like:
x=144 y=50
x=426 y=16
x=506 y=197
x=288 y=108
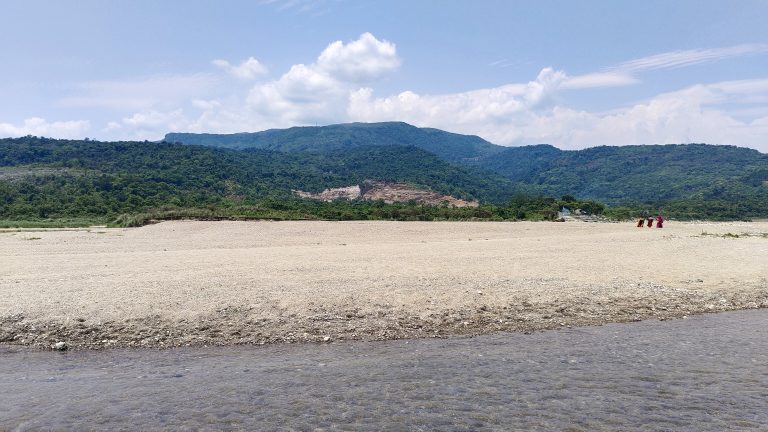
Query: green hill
x=694 y=178
x=448 y=146
x=46 y=178
x=646 y=173
x=697 y=180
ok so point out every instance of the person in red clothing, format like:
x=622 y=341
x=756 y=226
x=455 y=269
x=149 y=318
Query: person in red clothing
x=659 y=221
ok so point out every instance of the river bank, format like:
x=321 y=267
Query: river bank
x=227 y=283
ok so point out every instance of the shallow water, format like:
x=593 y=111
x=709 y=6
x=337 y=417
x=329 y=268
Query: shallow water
x=702 y=373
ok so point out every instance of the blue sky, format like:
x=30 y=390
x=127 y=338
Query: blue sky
x=571 y=73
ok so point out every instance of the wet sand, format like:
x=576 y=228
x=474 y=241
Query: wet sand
x=224 y=283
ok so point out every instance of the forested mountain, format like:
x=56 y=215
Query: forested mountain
x=42 y=177
x=256 y=173
x=323 y=139
x=696 y=179
x=647 y=173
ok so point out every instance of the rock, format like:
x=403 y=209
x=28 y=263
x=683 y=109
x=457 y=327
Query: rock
x=60 y=346
x=327 y=339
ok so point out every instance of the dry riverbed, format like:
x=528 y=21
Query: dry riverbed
x=219 y=283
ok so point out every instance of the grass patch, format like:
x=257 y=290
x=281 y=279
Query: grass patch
x=52 y=223
x=141 y=219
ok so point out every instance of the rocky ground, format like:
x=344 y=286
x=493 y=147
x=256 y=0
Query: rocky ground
x=223 y=283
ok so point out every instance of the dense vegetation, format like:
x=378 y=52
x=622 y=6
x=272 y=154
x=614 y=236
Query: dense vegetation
x=648 y=173
x=520 y=207
x=686 y=181
x=253 y=175
x=97 y=181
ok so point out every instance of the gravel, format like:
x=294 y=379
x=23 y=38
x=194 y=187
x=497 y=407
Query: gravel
x=222 y=283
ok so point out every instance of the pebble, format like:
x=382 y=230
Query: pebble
x=327 y=339
x=60 y=346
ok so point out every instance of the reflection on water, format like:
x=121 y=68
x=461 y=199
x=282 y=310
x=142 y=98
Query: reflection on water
x=703 y=373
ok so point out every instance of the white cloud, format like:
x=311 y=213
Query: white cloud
x=205 y=104
x=494 y=106
x=339 y=87
x=302 y=95
x=154 y=118
x=361 y=60
x=149 y=125
x=624 y=73
x=41 y=127
x=600 y=79
x=514 y=115
x=249 y=69
x=677 y=59
x=318 y=92
x=306 y=84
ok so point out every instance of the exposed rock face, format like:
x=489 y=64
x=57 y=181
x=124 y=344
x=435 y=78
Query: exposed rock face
x=387 y=192
x=349 y=192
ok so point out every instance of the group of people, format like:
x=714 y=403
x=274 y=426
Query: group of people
x=647 y=219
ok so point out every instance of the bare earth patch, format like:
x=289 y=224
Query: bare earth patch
x=387 y=192
x=219 y=283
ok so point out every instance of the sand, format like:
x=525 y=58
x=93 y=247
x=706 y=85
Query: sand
x=222 y=283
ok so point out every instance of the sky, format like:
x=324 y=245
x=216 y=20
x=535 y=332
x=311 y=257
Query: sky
x=573 y=74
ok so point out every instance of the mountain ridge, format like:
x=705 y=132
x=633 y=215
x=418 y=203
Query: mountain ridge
x=42 y=177
x=323 y=139
x=616 y=175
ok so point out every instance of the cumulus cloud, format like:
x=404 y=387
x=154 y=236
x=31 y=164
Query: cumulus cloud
x=361 y=60
x=486 y=106
x=149 y=125
x=513 y=115
x=41 y=127
x=318 y=92
x=249 y=69
x=339 y=86
x=700 y=113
